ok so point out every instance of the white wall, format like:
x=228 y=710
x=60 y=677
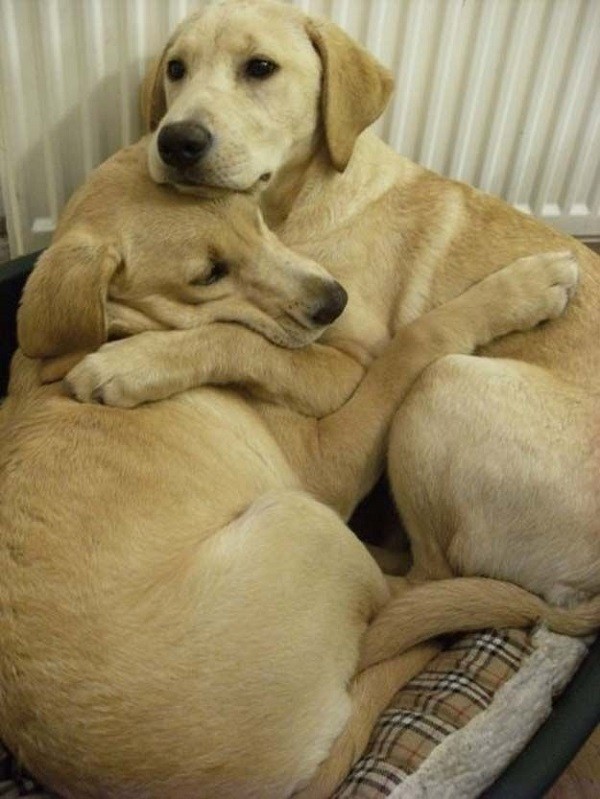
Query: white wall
x=504 y=94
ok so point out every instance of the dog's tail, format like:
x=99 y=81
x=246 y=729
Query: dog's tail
x=420 y=613
x=371 y=691
x=462 y=604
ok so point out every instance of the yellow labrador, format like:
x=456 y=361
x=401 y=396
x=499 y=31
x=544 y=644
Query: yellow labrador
x=178 y=617
x=494 y=461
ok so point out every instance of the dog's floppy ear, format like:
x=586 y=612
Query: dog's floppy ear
x=153 y=101
x=355 y=91
x=63 y=307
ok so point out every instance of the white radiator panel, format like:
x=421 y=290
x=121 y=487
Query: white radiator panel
x=504 y=94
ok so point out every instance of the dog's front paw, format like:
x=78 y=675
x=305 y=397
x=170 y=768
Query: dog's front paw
x=115 y=375
x=539 y=287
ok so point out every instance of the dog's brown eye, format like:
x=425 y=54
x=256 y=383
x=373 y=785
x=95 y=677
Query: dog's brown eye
x=175 y=69
x=218 y=270
x=260 y=68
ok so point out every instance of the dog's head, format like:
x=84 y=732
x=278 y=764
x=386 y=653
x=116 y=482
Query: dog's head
x=244 y=88
x=169 y=261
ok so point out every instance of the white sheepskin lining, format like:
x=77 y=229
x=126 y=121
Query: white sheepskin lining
x=470 y=759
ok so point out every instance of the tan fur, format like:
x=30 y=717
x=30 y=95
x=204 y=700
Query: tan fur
x=372 y=691
x=353 y=90
x=229 y=639
x=179 y=618
x=494 y=462
x=476 y=603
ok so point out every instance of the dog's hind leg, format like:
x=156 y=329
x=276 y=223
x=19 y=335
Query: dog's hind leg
x=415 y=614
x=371 y=692
x=495 y=466
x=345 y=454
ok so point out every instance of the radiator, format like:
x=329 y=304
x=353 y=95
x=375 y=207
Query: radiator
x=503 y=94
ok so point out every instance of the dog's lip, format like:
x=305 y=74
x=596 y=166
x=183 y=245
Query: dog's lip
x=299 y=322
x=188 y=180
x=284 y=341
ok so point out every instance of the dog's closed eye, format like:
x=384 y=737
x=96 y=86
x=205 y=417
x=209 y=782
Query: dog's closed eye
x=217 y=271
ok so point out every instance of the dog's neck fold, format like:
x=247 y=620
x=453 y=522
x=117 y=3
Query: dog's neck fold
x=294 y=200
x=279 y=198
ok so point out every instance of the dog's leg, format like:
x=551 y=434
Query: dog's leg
x=389 y=561
x=24 y=375
x=343 y=454
x=300 y=590
x=495 y=467
x=429 y=561
x=24 y=384
x=155 y=365
x=371 y=692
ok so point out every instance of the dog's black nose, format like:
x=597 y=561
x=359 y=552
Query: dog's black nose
x=329 y=308
x=183 y=144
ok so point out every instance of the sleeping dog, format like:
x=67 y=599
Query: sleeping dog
x=179 y=616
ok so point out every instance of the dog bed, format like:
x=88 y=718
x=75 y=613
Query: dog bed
x=455 y=727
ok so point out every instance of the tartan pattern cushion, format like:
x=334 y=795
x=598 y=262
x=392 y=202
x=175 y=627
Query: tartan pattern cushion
x=457 y=685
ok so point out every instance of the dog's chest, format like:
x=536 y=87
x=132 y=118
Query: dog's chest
x=366 y=323
x=359 y=331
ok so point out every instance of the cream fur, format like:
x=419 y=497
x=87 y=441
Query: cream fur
x=217 y=656
x=494 y=462
x=179 y=617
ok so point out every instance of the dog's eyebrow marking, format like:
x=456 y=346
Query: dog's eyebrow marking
x=242 y=41
x=185 y=47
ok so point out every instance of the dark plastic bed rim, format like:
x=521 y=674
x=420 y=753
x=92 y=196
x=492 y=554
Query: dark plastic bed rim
x=575 y=715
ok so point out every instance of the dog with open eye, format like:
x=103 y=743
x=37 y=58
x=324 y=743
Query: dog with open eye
x=493 y=461
x=180 y=616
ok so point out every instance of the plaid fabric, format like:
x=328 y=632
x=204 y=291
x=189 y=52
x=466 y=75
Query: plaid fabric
x=456 y=686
